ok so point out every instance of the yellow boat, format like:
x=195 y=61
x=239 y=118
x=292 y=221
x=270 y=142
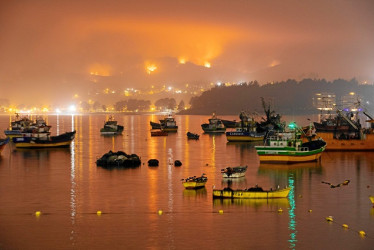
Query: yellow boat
x=372 y=199
x=251 y=193
x=195 y=182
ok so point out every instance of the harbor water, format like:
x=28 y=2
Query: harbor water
x=59 y=199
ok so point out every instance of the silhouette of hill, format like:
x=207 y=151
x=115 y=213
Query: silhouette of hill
x=288 y=97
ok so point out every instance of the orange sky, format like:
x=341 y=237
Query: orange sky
x=55 y=45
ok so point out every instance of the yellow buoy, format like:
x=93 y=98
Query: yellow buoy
x=280 y=210
x=329 y=218
x=220 y=211
x=159 y=212
x=300 y=196
x=98 y=212
x=310 y=210
x=345 y=225
x=362 y=233
x=38 y=213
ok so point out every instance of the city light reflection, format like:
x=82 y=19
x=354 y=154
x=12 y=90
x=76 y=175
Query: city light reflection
x=291 y=213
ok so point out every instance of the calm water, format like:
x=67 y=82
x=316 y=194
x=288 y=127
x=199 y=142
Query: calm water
x=68 y=188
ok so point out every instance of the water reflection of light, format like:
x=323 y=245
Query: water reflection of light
x=213 y=151
x=58 y=124
x=291 y=213
x=73 y=183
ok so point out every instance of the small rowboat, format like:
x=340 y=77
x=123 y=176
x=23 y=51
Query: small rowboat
x=192 y=136
x=251 y=193
x=195 y=182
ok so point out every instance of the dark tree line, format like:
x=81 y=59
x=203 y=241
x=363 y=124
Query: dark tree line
x=288 y=97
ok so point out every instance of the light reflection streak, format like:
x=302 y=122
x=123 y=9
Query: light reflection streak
x=73 y=183
x=58 y=124
x=291 y=213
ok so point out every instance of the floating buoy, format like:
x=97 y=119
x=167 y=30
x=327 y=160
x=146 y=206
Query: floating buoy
x=300 y=196
x=362 y=233
x=280 y=210
x=220 y=211
x=329 y=218
x=38 y=213
x=160 y=212
x=345 y=225
x=310 y=210
x=206 y=164
x=98 y=212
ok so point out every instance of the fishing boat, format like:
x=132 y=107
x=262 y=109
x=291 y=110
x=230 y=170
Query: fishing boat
x=192 y=136
x=25 y=127
x=353 y=138
x=63 y=140
x=158 y=132
x=195 y=182
x=215 y=125
x=251 y=193
x=372 y=199
x=169 y=124
x=234 y=172
x=246 y=131
x=111 y=127
x=3 y=142
x=288 y=147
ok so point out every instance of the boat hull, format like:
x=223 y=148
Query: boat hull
x=243 y=137
x=243 y=194
x=365 y=144
x=110 y=133
x=287 y=155
x=214 y=130
x=193 y=185
x=63 y=140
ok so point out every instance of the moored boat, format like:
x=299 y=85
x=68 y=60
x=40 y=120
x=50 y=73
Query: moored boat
x=192 y=136
x=111 y=127
x=169 y=124
x=246 y=131
x=234 y=172
x=350 y=138
x=215 y=125
x=3 y=142
x=251 y=193
x=195 y=182
x=288 y=147
x=372 y=199
x=63 y=140
x=25 y=127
